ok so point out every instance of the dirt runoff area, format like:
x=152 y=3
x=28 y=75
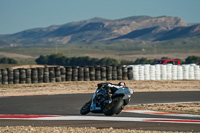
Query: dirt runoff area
x=73 y=87
x=30 y=129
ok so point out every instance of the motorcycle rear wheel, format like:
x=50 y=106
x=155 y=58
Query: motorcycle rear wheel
x=114 y=108
x=86 y=108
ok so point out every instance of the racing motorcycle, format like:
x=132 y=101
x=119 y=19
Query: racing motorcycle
x=108 y=98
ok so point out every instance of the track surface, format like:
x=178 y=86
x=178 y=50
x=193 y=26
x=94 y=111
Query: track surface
x=70 y=104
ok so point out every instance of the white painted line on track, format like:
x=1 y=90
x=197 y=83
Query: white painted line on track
x=95 y=118
x=170 y=103
x=158 y=113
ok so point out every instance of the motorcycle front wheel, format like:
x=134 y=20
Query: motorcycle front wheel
x=86 y=108
x=114 y=108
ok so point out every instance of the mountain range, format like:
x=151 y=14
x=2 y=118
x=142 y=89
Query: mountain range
x=135 y=28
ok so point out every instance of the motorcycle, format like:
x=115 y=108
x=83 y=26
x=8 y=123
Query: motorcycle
x=109 y=99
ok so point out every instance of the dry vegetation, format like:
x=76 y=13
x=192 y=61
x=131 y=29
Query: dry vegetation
x=90 y=87
x=30 y=129
x=14 y=55
x=182 y=108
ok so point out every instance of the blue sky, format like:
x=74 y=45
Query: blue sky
x=18 y=15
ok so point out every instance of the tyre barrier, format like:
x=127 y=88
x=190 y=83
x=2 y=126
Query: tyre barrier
x=10 y=76
x=63 y=74
x=103 y=74
x=166 y=72
x=68 y=73
x=114 y=72
x=34 y=75
x=99 y=73
x=28 y=76
x=124 y=73
x=92 y=73
x=58 y=74
x=22 y=76
x=74 y=73
x=16 y=76
x=80 y=74
x=119 y=72
x=108 y=73
x=40 y=75
x=86 y=74
x=52 y=77
x=46 y=75
x=4 y=73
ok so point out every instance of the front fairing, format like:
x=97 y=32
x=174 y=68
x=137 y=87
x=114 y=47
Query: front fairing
x=126 y=91
x=95 y=106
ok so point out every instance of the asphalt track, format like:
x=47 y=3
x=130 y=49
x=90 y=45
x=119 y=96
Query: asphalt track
x=70 y=104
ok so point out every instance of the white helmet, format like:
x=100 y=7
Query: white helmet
x=122 y=84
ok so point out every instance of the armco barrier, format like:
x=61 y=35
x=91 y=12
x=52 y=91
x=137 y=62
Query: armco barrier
x=99 y=73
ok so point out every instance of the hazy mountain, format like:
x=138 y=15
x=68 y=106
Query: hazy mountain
x=140 y=28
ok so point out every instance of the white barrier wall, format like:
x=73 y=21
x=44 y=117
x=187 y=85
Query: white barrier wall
x=166 y=72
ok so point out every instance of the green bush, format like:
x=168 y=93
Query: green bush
x=60 y=59
x=192 y=59
x=7 y=61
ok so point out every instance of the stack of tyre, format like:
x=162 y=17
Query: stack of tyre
x=169 y=71
x=153 y=73
x=135 y=72
x=163 y=72
x=186 y=71
x=174 y=72
x=147 y=72
x=166 y=72
x=197 y=72
x=157 y=72
x=191 y=71
x=179 y=72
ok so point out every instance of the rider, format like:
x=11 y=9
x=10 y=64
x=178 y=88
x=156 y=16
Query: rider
x=112 y=87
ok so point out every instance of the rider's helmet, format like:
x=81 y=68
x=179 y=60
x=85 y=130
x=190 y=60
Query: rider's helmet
x=122 y=84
